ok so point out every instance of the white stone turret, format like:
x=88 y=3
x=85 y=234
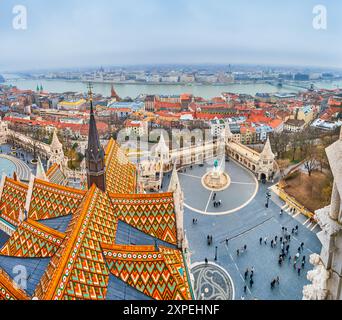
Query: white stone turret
x=326 y=277
x=40 y=173
x=56 y=144
x=162 y=151
x=265 y=169
x=57 y=154
x=227 y=134
x=267 y=153
x=178 y=198
x=3 y=131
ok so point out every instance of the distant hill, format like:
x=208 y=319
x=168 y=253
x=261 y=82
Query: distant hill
x=2 y=79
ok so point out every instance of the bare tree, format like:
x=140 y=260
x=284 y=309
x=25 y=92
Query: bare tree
x=309 y=151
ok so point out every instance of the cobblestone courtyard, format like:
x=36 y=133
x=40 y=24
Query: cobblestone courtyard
x=243 y=219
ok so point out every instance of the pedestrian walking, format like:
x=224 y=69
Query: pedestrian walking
x=290 y=258
x=237 y=252
x=298 y=271
x=260 y=240
x=246 y=274
x=245 y=247
x=206 y=261
x=272 y=244
x=272 y=284
x=276 y=238
x=251 y=282
x=245 y=289
x=227 y=240
x=265 y=240
x=302 y=245
x=278 y=281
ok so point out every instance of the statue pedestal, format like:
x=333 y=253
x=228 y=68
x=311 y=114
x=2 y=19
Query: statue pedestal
x=216 y=180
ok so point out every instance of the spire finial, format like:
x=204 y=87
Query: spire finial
x=90 y=94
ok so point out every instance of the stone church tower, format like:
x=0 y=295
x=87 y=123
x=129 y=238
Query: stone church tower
x=95 y=155
x=326 y=277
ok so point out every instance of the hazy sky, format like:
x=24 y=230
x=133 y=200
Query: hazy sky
x=72 y=33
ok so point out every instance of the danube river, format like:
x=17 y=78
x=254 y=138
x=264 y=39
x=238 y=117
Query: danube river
x=134 y=90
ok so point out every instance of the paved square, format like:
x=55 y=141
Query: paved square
x=245 y=227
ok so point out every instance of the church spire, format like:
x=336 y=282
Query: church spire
x=94 y=154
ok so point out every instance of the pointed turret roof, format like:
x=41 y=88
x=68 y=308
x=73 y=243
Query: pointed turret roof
x=162 y=146
x=227 y=133
x=55 y=144
x=267 y=152
x=174 y=182
x=40 y=174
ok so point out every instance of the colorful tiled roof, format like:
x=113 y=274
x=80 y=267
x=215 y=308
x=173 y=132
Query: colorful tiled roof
x=121 y=174
x=33 y=240
x=13 y=200
x=51 y=201
x=78 y=270
x=56 y=175
x=150 y=213
x=160 y=275
x=8 y=290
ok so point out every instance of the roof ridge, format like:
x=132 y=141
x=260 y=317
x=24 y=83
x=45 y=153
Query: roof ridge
x=45 y=228
x=19 y=183
x=139 y=195
x=71 y=236
x=59 y=187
